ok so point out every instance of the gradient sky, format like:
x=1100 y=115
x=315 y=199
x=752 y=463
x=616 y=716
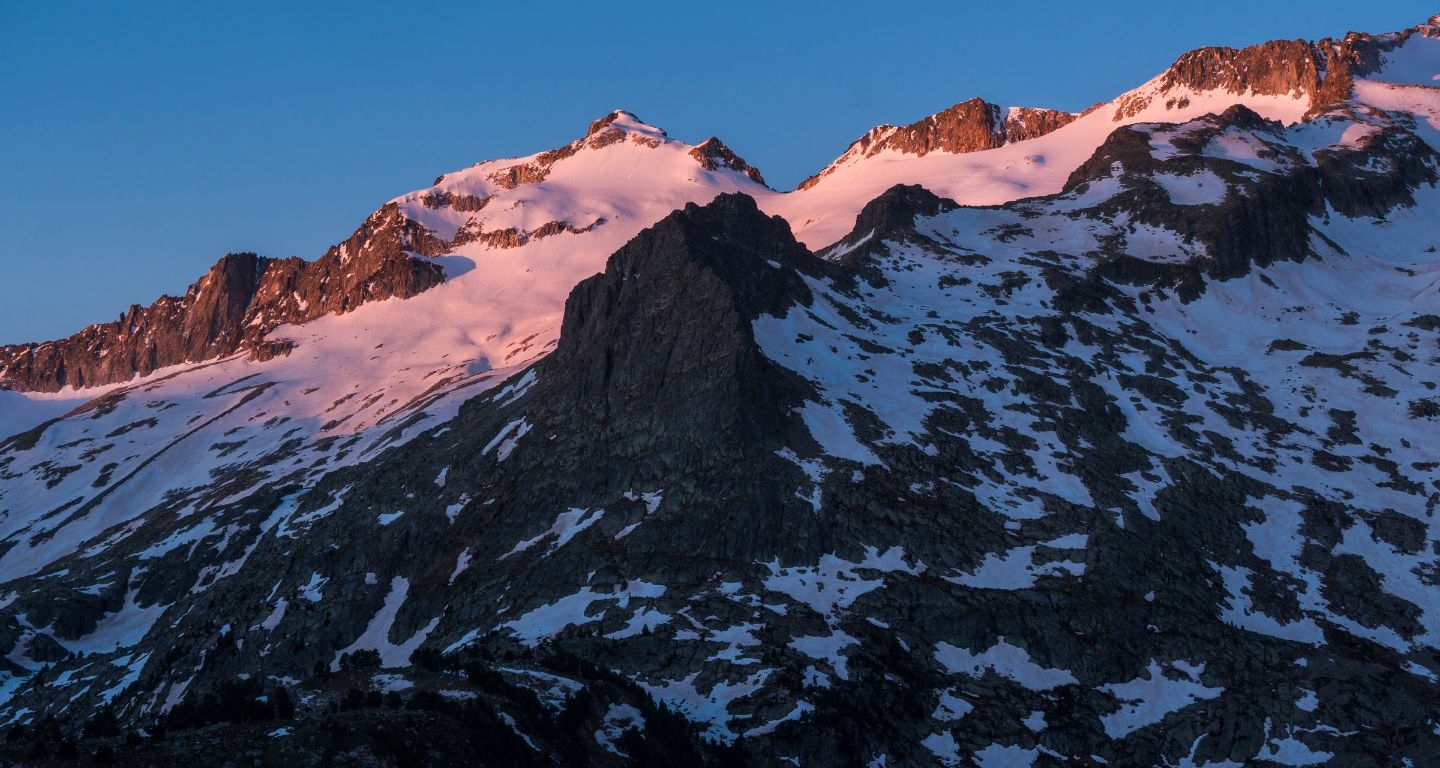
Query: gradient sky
x=140 y=142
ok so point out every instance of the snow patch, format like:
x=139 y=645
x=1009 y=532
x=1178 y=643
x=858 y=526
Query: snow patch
x=376 y=636
x=1148 y=699
x=1003 y=659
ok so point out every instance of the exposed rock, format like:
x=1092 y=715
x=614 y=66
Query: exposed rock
x=712 y=154
x=460 y=202
x=43 y=648
x=889 y=217
x=602 y=133
x=1268 y=223
x=528 y=173
x=1379 y=174
x=207 y=322
x=970 y=126
x=1025 y=123
x=1276 y=68
x=1322 y=72
x=242 y=298
x=604 y=122
x=513 y=237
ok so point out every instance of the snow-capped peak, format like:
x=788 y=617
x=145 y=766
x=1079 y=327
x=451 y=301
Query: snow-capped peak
x=514 y=236
x=627 y=122
x=614 y=135
x=1286 y=81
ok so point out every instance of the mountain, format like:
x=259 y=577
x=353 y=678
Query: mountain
x=970 y=126
x=1096 y=440
x=1284 y=81
x=240 y=300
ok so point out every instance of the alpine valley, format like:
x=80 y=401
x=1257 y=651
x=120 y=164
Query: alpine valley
x=1013 y=437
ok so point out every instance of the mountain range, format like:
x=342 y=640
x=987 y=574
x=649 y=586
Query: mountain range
x=1013 y=437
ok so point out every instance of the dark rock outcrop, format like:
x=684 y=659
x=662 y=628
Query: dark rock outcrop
x=459 y=202
x=1264 y=217
x=1266 y=223
x=1276 y=68
x=1378 y=174
x=970 y=126
x=889 y=217
x=670 y=391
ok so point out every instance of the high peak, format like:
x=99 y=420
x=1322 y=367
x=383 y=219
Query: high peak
x=969 y=126
x=625 y=122
x=624 y=118
x=1318 y=74
x=617 y=126
x=713 y=155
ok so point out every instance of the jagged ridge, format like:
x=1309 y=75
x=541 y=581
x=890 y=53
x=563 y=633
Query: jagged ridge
x=230 y=309
x=970 y=126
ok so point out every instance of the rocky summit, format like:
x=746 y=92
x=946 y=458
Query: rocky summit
x=1012 y=438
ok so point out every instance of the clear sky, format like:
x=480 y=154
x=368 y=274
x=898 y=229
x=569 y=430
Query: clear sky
x=141 y=141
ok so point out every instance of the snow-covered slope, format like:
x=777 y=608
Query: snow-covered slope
x=820 y=214
x=825 y=212
x=186 y=437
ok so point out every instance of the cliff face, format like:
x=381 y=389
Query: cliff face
x=231 y=309
x=204 y=323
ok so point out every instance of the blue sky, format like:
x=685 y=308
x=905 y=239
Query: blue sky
x=140 y=142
